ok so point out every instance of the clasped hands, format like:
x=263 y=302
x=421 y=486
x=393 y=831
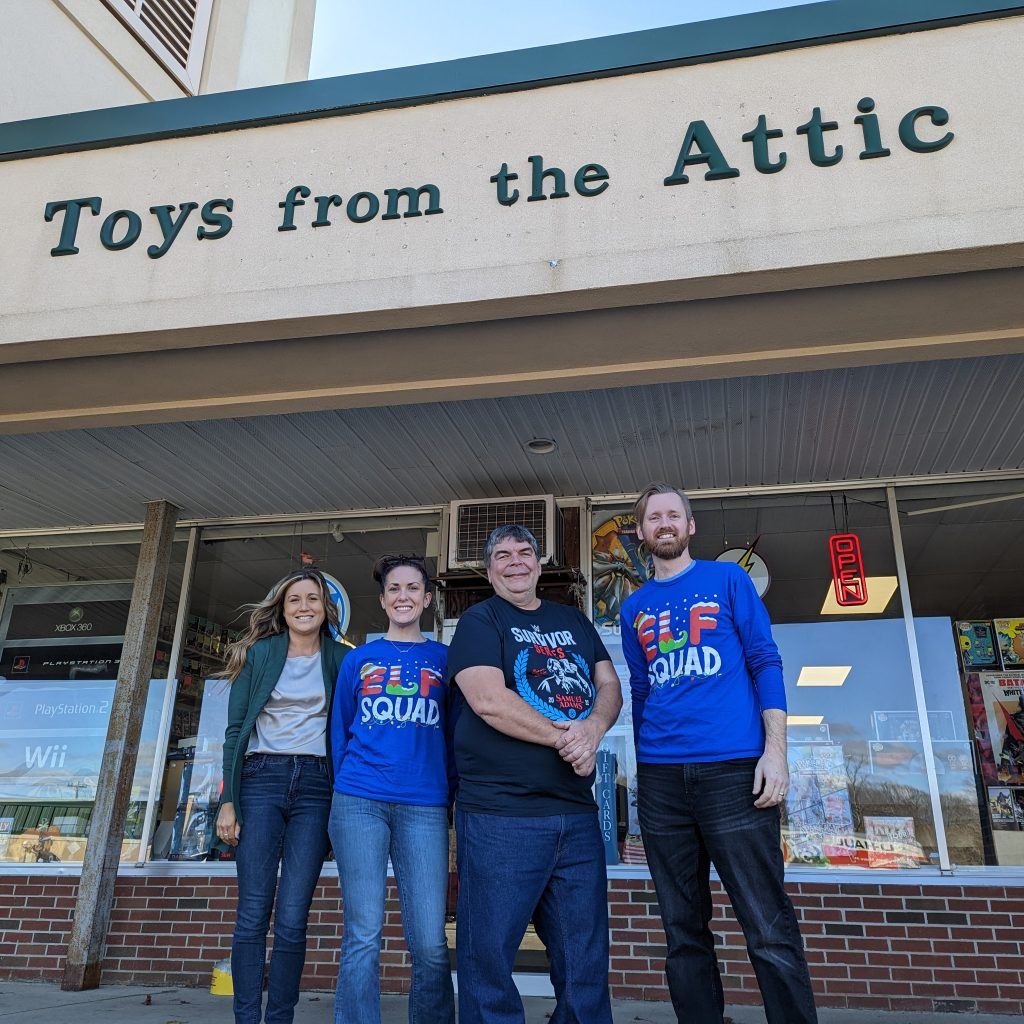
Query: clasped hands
x=578 y=744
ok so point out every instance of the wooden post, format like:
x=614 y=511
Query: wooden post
x=106 y=827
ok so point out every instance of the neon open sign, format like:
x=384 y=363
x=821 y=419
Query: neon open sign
x=848 y=570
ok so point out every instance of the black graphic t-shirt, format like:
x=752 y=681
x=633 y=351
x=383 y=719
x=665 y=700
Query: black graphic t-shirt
x=548 y=657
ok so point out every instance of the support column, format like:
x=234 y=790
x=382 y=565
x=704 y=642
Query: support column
x=106 y=827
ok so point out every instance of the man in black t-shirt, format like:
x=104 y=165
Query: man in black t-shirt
x=534 y=692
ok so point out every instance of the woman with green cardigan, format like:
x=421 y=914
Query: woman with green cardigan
x=277 y=784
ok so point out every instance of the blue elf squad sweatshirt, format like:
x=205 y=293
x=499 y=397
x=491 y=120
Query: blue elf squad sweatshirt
x=702 y=665
x=389 y=723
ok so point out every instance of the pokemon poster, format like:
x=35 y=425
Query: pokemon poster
x=621 y=565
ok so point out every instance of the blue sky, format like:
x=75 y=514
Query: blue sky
x=354 y=35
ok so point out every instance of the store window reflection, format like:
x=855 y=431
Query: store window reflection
x=964 y=547
x=63 y=614
x=859 y=793
x=237 y=565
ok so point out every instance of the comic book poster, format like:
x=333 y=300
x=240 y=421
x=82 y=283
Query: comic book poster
x=819 y=819
x=892 y=842
x=1010 y=637
x=621 y=565
x=977 y=644
x=1003 y=809
x=979 y=721
x=1003 y=696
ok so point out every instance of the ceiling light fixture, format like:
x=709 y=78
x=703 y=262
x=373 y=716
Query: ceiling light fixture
x=880 y=590
x=541 y=445
x=823 y=675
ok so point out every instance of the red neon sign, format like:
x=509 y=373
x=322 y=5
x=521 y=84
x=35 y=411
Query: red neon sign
x=848 y=570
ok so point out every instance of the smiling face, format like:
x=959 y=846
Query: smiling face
x=405 y=595
x=303 y=608
x=514 y=570
x=667 y=527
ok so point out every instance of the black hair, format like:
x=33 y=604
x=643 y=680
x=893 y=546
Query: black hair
x=384 y=565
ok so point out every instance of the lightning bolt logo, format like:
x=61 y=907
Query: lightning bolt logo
x=746 y=561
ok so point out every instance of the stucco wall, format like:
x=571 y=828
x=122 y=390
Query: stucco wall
x=60 y=56
x=638 y=232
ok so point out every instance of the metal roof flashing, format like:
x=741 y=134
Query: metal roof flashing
x=651 y=49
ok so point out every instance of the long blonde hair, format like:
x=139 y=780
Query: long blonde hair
x=266 y=618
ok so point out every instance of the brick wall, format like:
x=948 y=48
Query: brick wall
x=887 y=947
x=906 y=947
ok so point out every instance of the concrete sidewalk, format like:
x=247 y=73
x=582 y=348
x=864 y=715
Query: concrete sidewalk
x=44 y=1003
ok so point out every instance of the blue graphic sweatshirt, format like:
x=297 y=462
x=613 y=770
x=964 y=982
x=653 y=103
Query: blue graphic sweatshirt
x=389 y=737
x=702 y=665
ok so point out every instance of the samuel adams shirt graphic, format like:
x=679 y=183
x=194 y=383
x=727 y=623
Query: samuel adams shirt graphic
x=388 y=739
x=702 y=665
x=547 y=657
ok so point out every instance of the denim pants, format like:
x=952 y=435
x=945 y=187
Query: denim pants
x=550 y=869
x=285 y=800
x=695 y=815
x=364 y=834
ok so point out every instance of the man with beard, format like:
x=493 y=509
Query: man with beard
x=709 y=721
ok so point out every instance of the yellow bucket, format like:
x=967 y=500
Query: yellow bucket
x=220 y=983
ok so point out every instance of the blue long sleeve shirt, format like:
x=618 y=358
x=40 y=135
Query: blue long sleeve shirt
x=702 y=665
x=389 y=724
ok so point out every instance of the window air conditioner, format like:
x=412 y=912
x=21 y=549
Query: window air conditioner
x=470 y=524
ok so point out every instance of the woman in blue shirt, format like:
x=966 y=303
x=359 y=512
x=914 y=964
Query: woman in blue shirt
x=389 y=750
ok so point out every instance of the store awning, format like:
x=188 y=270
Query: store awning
x=894 y=421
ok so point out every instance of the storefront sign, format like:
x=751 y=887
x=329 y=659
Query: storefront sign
x=848 y=570
x=535 y=179
x=41 y=621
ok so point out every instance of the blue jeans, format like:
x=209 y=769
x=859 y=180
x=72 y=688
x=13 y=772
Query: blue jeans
x=549 y=868
x=695 y=815
x=364 y=834
x=284 y=801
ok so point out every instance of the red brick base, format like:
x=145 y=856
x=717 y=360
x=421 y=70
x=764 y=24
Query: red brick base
x=939 y=948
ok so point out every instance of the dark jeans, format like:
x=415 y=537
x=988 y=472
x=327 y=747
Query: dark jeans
x=285 y=801
x=551 y=869
x=695 y=815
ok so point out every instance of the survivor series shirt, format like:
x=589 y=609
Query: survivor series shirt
x=703 y=665
x=548 y=657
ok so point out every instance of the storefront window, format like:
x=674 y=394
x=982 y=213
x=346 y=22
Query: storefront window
x=63 y=614
x=964 y=547
x=859 y=793
x=237 y=565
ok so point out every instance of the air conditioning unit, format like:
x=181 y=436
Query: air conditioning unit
x=470 y=524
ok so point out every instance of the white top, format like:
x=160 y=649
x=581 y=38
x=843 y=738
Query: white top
x=294 y=720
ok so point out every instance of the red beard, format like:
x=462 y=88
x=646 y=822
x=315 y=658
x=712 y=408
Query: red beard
x=669 y=548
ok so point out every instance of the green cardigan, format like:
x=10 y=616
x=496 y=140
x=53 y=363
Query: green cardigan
x=250 y=693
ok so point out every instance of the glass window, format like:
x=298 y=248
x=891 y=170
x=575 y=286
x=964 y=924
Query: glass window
x=62 y=619
x=237 y=565
x=964 y=547
x=859 y=794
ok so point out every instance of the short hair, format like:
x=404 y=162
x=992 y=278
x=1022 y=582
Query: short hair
x=640 y=508
x=510 y=531
x=384 y=566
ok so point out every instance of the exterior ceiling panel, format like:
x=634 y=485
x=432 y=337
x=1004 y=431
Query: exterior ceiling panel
x=912 y=419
